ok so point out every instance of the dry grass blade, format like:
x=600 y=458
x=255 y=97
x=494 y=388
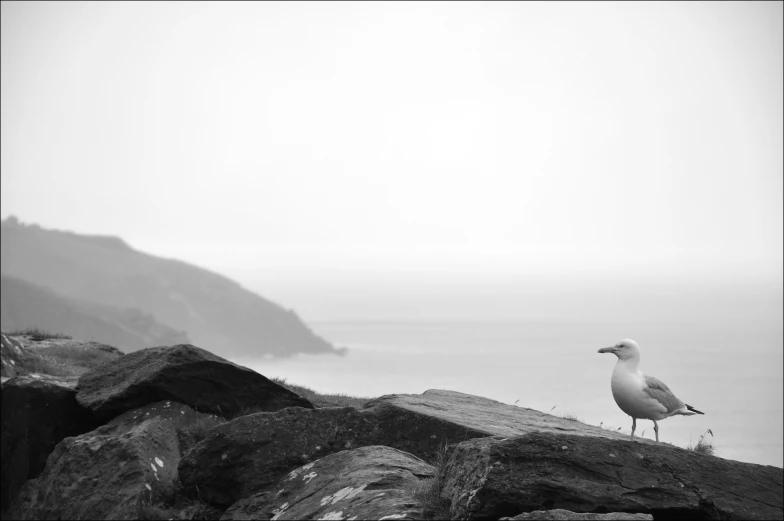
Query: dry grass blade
x=428 y=492
x=704 y=446
x=323 y=400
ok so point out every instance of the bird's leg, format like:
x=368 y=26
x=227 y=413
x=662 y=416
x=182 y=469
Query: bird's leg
x=656 y=430
x=634 y=426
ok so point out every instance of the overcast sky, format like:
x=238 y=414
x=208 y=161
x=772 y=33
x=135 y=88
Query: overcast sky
x=287 y=140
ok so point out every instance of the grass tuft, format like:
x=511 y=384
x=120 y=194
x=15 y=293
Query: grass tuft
x=37 y=334
x=704 y=446
x=193 y=433
x=565 y=416
x=148 y=512
x=170 y=502
x=429 y=492
x=323 y=400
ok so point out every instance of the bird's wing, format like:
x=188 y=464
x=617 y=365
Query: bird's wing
x=657 y=390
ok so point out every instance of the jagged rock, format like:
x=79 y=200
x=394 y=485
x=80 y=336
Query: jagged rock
x=10 y=355
x=372 y=482
x=110 y=472
x=567 y=515
x=183 y=373
x=249 y=454
x=493 y=477
x=38 y=411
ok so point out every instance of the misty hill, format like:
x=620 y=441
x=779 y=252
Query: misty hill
x=214 y=311
x=24 y=305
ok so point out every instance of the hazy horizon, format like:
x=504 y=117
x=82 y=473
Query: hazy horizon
x=281 y=143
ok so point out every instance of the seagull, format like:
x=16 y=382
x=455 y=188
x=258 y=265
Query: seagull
x=640 y=395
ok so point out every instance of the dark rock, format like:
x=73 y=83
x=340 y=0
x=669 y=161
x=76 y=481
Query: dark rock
x=372 y=482
x=566 y=515
x=493 y=477
x=183 y=373
x=38 y=411
x=111 y=472
x=249 y=454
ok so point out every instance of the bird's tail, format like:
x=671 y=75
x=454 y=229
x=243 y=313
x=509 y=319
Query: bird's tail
x=692 y=409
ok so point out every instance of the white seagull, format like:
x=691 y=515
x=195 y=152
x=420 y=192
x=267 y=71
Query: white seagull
x=640 y=395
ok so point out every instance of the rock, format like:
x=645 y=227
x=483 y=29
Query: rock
x=10 y=355
x=249 y=454
x=110 y=472
x=372 y=482
x=31 y=353
x=494 y=477
x=485 y=417
x=182 y=373
x=36 y=344
x=567 y=515
x=38 y=411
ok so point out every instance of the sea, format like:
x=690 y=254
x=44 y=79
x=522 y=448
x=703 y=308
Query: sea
x=730 y=369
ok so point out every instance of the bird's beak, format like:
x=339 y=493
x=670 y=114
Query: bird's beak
x=607 y=350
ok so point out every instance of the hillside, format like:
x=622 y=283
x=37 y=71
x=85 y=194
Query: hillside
x=212 y=310
x=24 y=305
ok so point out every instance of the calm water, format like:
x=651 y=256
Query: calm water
x=731 y=372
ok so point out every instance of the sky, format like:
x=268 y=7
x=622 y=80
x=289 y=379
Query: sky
x=331 y=141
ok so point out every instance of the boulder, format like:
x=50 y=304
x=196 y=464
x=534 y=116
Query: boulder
x=249 y=454
x=374 y=482
x=33 y=342
x=113 y=471
x=497 y=476
x=480 y=416
x=558 y=514
x=185 y=374
x=38 y=411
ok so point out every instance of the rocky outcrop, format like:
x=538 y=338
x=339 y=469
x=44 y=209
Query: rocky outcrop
x=494 y=477
x=558 y=514
x=113 y=471
x=38 y=411
x=249 y=454
x=372 y=482
x=182 y=373
x=480 y=416
x=294 y=461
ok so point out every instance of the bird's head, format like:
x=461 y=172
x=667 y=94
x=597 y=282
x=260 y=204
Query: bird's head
x=624 y=350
